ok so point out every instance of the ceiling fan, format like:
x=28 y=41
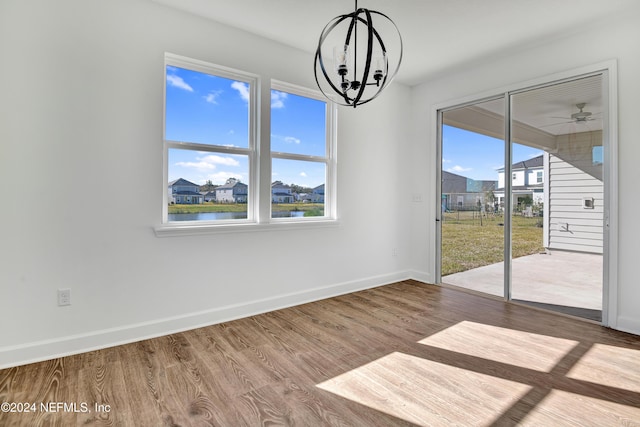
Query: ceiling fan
x=580 y=117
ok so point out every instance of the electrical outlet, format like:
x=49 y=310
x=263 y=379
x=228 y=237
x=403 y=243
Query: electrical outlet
x=64 y=296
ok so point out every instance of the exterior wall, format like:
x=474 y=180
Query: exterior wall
x=185 y=194
x=225 y=195
x=520 y=178
x=281 y=194
x=528 y=177
x=572 y=178
x=232 y=194
x=318 y=194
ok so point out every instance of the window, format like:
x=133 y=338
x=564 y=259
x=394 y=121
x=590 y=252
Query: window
x=597 y=155
x=212 y=154
x=513 y=176
x=539 y=177
x=302 y=157
x=209 y=142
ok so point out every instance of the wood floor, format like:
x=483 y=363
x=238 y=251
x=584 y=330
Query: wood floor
x=401 y=354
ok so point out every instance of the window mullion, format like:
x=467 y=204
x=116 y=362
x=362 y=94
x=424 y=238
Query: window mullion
x=304 y=157
x=208 y=148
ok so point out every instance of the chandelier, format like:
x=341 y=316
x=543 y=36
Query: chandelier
x=360 y=69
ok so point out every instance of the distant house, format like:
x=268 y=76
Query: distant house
x=184 y=192
x=209 y=196
x=317 y=195
x=527 y=179
x=462 y=193
x=233 y=191
x=281 y=193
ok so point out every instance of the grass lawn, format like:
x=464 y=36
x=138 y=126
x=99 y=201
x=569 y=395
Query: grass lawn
x=466 y=244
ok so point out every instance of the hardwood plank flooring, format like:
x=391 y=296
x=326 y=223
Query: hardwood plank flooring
x=398 y=355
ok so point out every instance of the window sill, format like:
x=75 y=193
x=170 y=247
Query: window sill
x=171 y=230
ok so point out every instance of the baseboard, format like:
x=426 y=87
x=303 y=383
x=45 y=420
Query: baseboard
x=627 y=324
x=421 y=276
x=95 y=340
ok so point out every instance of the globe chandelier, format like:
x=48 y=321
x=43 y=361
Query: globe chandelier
x=360 y=69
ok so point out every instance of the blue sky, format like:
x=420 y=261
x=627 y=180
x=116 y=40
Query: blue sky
x=213 y=110
x=478 y=156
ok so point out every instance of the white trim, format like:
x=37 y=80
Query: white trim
x=73 y=344
x=610 y=243
x=628 y=324
x=421 y=276
x=194 y=228
x=253 y=80
x=329 y=159
x=546 y=222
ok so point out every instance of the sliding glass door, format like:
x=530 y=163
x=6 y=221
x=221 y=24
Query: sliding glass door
x=558 y=197
x=525 y=185
x=472 y=213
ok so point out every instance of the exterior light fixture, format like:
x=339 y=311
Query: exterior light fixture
x=360 y=65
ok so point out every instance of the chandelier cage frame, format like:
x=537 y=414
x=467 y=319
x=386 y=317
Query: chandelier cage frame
x=358 y=85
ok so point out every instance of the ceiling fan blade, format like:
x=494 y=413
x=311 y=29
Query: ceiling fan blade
x=556 y=124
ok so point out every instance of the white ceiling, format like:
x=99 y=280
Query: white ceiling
x=438 y=35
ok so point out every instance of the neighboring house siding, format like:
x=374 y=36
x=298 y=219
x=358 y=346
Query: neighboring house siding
x=317 y=196
x=182 y=191
x=281 y=193
x=460 y=192
x=573 y=177
x=232 y=192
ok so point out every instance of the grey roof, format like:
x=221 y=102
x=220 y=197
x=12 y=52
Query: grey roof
x=187 y=193
x=182 y=181
x=536 y=162
x=230 y=185
x=279 y=184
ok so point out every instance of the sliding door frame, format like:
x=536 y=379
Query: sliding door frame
x=608 y=70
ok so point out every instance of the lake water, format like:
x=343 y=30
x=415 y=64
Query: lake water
x=215 y=216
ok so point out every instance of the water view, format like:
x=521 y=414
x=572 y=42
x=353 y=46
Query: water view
x=215 y=216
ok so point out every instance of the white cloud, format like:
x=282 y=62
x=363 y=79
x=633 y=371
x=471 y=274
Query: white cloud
x=219 y=160
x=277 y=99
x=242 y=88
x=291 y=140
x=458 y=169
x=177 y=82
x=196 y=165
x=445 y=160
x=303 y=174
x=212 y=97
x=208 y=163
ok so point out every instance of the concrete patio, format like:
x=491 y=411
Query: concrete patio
x=559 y=278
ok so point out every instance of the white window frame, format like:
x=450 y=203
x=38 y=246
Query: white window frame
x=258 y=213
x=329 y=159
x=251 y=151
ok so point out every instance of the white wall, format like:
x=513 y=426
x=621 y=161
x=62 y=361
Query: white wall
x=81 y=86
x=601 y=42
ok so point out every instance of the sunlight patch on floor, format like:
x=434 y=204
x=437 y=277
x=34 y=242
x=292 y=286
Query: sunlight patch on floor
x=509 y=346
x=611 y=366
x=561 y=408
x=420 y=391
